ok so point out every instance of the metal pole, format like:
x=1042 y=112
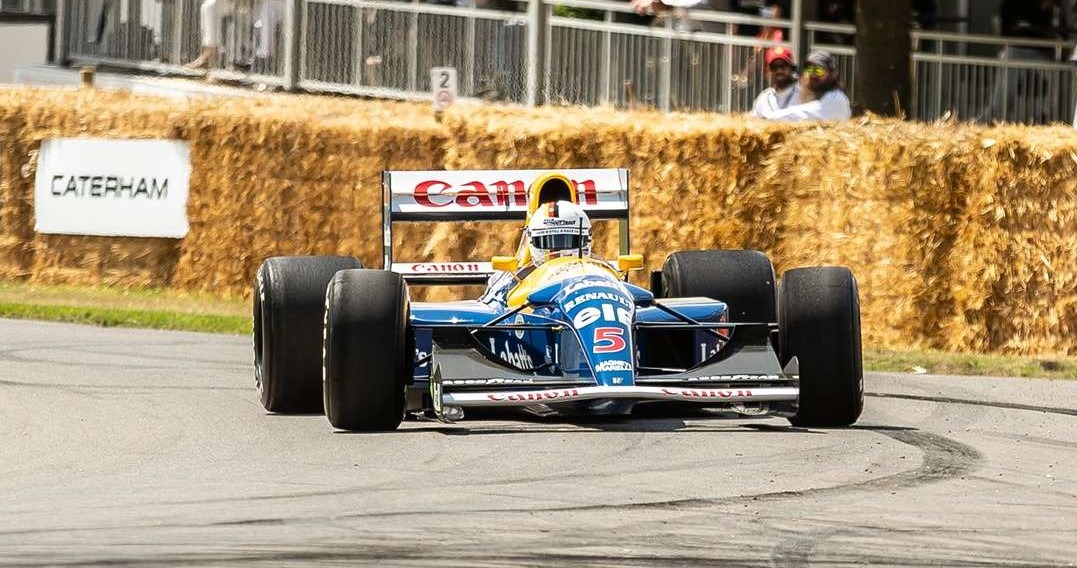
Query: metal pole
x=725 y=92
x=293 y=22
x=469 y=55
x=937 y=91
x=796 y=34
x=178 y=31
x=665 y=64
x=413 y=50
x=359 y=76
x=537 y=28
x=60 y=44
x=604 y=60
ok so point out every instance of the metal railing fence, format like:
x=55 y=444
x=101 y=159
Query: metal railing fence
x=575 y=52
x=386 y=48
x=685 y=60
x=165 y=35
x=1029 y=81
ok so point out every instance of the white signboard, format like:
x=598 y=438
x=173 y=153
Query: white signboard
x=130 y=188
x=443 y=82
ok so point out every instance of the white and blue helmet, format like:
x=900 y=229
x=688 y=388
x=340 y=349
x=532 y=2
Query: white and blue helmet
x=558 y=228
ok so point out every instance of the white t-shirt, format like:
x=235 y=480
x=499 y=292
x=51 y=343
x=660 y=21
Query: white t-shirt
x=771 y=100
x=832 y=106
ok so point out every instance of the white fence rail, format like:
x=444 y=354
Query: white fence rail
x=576 y=52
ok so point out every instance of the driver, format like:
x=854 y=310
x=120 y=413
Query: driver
x=557 y=229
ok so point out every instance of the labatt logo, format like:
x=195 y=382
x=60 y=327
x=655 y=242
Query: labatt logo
x=437 y=193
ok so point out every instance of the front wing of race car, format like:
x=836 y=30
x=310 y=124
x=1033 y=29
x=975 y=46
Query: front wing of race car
x=745 y=374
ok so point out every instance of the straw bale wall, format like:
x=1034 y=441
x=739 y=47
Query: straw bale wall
x=961 y=237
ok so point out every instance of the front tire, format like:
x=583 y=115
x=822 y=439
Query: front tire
x=366 y=361
x=820 y=326
x=289 y=299
x=743 y=279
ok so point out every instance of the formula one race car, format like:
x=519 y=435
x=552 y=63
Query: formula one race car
x=557 y=331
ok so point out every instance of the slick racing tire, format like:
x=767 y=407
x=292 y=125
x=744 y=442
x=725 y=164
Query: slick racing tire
x=743 y=279
x=820 y=325
x=289 y=299
x=368 y=355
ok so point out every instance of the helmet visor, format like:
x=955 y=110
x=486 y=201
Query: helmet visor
x=557 y=242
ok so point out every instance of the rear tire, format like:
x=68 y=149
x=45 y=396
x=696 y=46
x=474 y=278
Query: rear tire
x=743 y=279
x=289 y=299
x=820 y=325
x=367 y=360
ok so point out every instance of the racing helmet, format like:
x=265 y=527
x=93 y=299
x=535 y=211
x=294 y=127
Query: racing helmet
x=558 y=228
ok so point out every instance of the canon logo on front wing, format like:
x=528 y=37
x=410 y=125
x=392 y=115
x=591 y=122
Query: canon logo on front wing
x=707 y=393
x=533 y=396
x=436 y=193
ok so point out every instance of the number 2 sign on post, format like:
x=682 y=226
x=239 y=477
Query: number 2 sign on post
x=443 y=83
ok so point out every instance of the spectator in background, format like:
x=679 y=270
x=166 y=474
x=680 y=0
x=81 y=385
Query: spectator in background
x=821 y=95
x=650 y=10
x=212 y=12
x=836 y=12
x=924 y=14
x=770 y=9
x=784 y=90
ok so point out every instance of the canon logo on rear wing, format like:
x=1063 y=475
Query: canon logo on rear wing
x=421 y=193
x=436 y=193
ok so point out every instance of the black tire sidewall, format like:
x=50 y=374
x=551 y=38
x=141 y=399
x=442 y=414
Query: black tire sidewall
x=366 y=361
x=289 y=296
x=820 y=325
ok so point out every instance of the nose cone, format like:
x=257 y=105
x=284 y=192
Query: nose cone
x=601 y=310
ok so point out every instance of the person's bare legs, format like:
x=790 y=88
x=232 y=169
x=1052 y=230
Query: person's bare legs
x=205 y=60
x=210 y=30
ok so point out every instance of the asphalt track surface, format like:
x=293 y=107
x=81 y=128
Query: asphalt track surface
x=144 y=448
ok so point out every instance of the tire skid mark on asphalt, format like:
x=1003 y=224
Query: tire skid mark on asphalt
x=84 y=388
x=349 y=554
x=87 y=349
x=798 y=554
x=1005 y=405
x=944 y=458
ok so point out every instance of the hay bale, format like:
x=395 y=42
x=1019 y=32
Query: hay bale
x=961 y=237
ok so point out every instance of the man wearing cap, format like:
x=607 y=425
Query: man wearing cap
x=821 y=95
x=783 y=90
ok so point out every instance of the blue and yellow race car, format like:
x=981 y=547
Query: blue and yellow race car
x=557 y=330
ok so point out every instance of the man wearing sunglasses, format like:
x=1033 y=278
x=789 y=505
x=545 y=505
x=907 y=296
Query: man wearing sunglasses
x=821 y=95
x=784 y=90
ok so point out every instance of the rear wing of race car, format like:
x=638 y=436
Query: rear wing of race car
x=486 y=195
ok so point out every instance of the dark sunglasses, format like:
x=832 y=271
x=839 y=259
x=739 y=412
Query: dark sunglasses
x=815 y=70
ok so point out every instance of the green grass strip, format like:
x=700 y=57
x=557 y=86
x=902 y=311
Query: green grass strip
x=113 y=317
